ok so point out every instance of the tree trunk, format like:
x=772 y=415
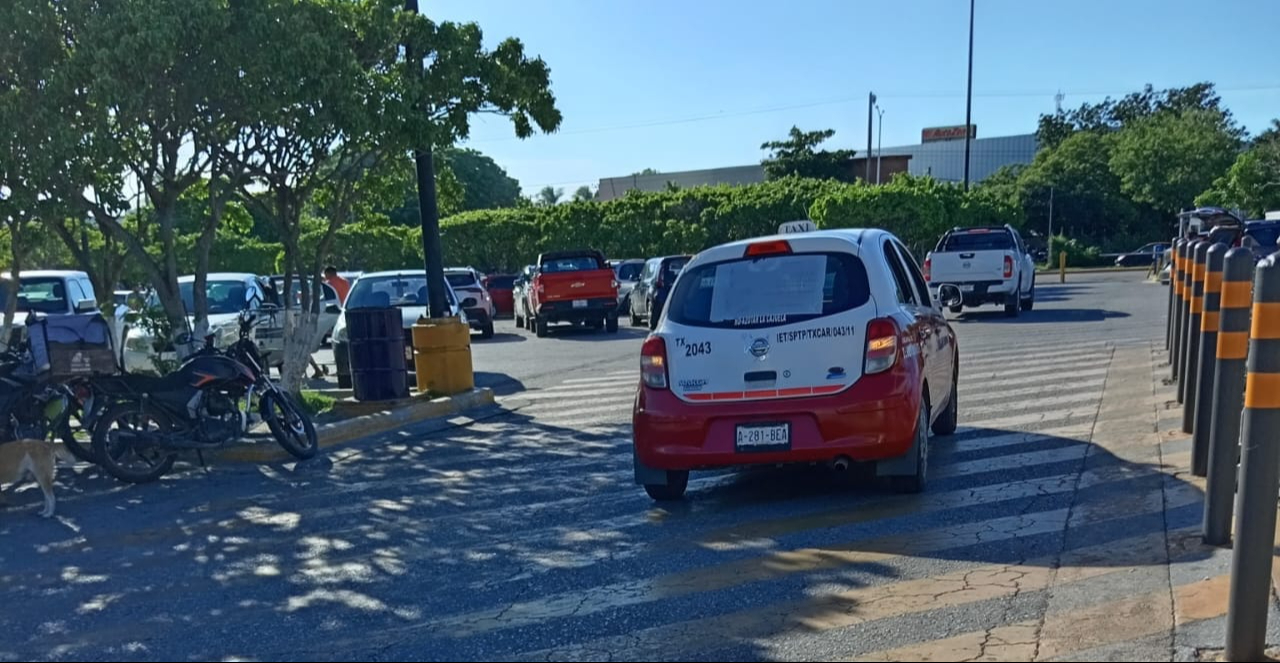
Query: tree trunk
x=11 y=295
x=302 y=335
x=199 y=292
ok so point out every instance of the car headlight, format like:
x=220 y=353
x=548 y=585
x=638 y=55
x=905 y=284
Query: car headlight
x=225 y=334
x=340 y=330
x=138 y=343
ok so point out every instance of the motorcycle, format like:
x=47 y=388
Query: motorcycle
x=32 y=408
x=206 y=404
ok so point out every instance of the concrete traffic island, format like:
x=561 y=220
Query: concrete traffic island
x=361 y=420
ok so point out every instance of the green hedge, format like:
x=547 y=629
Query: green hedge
x=1078 y=254
x=640 y=225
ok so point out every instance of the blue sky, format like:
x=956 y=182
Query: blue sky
x=678 y=85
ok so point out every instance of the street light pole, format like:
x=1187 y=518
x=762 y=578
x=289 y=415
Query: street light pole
x=428 y=212
x=871 y=105
x=968 y=102
x=879 y=140
x=1049 y=242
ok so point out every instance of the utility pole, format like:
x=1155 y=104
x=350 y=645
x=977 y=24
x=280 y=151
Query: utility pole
x=1049 y=241
x=429 y=213
x=968 y=102
x=871 y=105
x=879 y=140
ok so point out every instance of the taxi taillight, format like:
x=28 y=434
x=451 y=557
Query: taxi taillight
x=653 y=363
x=770 y=248
x=882 y=346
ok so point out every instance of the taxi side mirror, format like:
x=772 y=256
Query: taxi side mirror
x=950 y=295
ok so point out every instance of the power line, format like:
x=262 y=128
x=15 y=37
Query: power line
x=844 y=100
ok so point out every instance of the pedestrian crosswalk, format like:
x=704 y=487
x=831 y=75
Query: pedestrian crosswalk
x=1035 y=509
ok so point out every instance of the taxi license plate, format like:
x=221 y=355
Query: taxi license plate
x=579 y=303
x=763 y=437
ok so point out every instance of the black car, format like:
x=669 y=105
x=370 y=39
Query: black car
x=1144 y=256
x=1261 y=237
x=653 y=288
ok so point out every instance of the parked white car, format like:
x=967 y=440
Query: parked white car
x=990 y=265
x=56 y=292
x=228 y=294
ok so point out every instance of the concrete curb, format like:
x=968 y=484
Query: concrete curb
x=342 y=432
x=1091 y=270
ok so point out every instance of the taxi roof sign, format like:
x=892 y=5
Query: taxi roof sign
x=792 y=227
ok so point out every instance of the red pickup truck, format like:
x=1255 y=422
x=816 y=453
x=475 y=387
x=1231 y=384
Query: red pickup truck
x=577 y=287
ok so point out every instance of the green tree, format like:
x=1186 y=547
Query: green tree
x=584 y=192
x=1252 y=184
x=1168 y=159
x=549 y=196
x=798 y=155
x=1086 y=192
x=484 y=184
x=1113 y=114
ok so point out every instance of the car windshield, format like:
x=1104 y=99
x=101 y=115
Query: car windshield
x=460 y=279
x=569 y=264
x=224 y=296
x=630 y=271
x=751 y=293
x=977 y=240
x=384 y=291
x=40 y=295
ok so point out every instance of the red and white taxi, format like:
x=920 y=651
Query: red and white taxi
x=821 y=346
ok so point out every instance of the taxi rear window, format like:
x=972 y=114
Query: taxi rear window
x=767 y=291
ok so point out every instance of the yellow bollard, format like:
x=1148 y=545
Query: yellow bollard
x=1062 y=267
x=442 y=356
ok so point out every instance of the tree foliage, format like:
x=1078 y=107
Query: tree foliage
x=484 y=184
x=549 y=196
x=799 y=155
x=1166 y=160
x=1252 y=184
x=1114 y=114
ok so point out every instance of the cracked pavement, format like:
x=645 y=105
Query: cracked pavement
x=1059 y=525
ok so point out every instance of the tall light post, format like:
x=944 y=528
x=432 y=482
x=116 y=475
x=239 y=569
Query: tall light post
x=429 y=213
x=968 y=102
x=871 y=107
x=879 y=140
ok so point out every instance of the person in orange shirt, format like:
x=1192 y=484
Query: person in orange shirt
x=339 y=284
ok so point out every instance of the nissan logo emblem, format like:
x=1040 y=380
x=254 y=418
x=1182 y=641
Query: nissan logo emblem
x=759 y=347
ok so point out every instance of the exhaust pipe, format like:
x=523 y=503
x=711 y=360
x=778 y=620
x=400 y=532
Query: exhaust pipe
x=840 y=464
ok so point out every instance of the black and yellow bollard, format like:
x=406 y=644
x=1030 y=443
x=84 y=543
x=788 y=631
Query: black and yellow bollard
x=1179 y=311
x=1203 y=363
x=442 y=356
x=1191 y=344
x=1259 y=475
x=1236 y=299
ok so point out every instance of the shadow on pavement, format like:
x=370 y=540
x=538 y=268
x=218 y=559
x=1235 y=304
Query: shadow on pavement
x=1048 y=315
x=498 y=337
x=420 y=541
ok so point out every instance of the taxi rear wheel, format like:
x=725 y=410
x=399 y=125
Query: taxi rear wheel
x=672 y=490
x=915 y=483
x=945 y=424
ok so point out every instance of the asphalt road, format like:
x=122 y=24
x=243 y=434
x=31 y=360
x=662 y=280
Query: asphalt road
x=516 y=533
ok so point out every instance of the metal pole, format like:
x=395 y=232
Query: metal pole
x=1191 y=345
x=1175 y=282
x=968 y=102
x=879 y=140
x=1168 y=335
x=871 y=109
x=1228 y=395
x=428 y=212
x=1259 y=475
x=1049 y=242
x=1203 y=364
x=1184 y=303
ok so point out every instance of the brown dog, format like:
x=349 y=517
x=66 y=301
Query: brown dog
x=35 y=458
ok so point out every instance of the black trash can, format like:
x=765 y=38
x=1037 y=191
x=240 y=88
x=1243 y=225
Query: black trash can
x=376 y=342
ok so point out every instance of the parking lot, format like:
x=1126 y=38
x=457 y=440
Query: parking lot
x=1059 y=524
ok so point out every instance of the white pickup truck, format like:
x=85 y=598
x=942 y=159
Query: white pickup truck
x=991 y=265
